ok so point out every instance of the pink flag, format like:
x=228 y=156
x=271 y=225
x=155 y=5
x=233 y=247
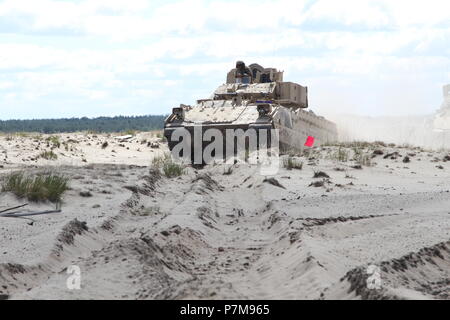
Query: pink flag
x=309 y=141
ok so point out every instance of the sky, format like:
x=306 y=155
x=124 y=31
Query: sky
x=88 y=58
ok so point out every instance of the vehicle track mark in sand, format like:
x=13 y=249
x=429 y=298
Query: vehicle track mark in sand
x=74 y=243
x=207 y=238
x=422 y=274
x=260 y=254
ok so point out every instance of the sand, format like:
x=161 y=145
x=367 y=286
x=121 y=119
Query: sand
x=210 y=235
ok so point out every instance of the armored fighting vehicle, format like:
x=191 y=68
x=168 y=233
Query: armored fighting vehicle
x=442 y=118
x=256 y=98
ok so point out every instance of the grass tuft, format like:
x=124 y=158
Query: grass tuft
x=46 y=186
x=48 y=155
x=228 y=171
x=341 y=155
x=172 y=169
x=168 y=166
x=158 y=161
x=54 y=140
x=363 y=159
x=290 y=163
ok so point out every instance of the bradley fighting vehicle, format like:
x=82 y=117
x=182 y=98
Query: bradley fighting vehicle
x=257 y=98
x=442 y=118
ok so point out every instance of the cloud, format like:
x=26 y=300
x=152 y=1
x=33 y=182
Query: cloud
x=349 y=12
x=130 y=53
x=137 y=18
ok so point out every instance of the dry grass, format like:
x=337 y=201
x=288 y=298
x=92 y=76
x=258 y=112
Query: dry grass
x=48 y=155
x=168 y=166
x=45 y=186
x=172 y=169
x=291 y=163
x=158 y=161
x=228 y=171
x=341 y=155
x=54 y=141
x=358 y=144
x=362 y=158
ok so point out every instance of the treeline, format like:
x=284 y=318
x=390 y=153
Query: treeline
x=101 y=124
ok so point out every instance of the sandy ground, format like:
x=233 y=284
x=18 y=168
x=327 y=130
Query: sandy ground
x=210 y=235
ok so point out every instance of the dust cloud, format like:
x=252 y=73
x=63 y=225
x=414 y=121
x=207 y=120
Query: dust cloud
x=412 y=130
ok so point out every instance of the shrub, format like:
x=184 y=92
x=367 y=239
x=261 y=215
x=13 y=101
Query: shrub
x=48 y=155
x=54 y=140
x=291 y=163
x=228 y=171
x=363 y=159
x=158 y=161
x=341 y=155
x=172 y=169
x=168 y=166
x=380 y=143
x=46 y=186
x=378 y=152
